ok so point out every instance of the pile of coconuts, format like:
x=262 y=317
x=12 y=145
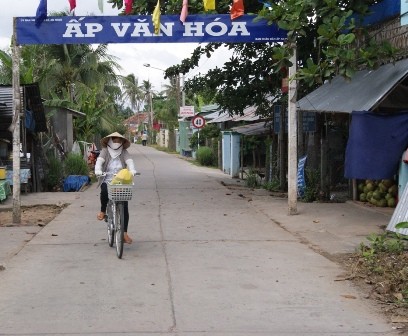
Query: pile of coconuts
x=381 y=193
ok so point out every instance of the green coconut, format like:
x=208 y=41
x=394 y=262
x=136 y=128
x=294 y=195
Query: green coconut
x=382 y=203
x=391 y=202
x=393 y=190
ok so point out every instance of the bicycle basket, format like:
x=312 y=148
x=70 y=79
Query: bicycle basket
x=120 y=192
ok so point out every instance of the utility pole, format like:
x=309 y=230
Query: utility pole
x=292 y=135
x=15 y=127
x=183 y=94
x=151 y=116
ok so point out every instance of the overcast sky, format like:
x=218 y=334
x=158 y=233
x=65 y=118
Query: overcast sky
x=131 y=57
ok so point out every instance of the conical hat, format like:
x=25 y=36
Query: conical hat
x=104 y=141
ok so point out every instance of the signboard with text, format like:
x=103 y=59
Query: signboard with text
x=186 y=111
x=139 y=29
x=308 y=118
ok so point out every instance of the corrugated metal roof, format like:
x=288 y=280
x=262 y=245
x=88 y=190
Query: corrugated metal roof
x=6 y=98
x=209 y=108
x=29 y=92
x=248 y=115
x=253 y=129
x=214 y=115
x=224 y=116
x=364 y=92
x=6 y=108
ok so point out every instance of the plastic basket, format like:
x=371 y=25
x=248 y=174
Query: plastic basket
x=120 y=192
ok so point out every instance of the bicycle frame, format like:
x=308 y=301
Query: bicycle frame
x=115 y=221
x=118 y=194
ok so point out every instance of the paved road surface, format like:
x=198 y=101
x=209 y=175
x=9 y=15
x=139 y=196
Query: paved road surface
x=205 y=261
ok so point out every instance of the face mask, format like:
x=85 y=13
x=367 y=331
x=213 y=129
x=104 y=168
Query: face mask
x=114 y=145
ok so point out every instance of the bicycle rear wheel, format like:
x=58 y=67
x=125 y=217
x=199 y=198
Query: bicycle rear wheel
x=110 y=226
x=119 y=228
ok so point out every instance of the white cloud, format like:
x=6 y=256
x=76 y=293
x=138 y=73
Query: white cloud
x=131 y=57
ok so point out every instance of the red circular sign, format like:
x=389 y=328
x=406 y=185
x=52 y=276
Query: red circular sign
x=198 y=122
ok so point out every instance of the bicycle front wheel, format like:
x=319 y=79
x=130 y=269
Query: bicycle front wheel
x=110 y=225
x=119 y=228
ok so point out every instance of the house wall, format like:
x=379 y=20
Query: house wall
x=59 y=125
x=394 y=33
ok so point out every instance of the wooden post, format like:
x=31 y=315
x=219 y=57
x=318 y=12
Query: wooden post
x=15 y=127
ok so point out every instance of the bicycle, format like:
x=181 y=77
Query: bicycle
x=115 y=216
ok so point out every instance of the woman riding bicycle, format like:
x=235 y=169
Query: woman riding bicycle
x=113 y=157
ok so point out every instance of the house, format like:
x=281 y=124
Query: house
x=33 y=123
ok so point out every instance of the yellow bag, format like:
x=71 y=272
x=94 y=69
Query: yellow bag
x=123 y=177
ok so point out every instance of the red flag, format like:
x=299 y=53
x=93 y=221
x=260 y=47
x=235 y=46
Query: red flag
x=184 y=11
x=237 y=9
x=128 y=6
x=72 y=5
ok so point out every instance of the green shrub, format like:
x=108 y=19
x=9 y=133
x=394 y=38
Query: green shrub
x=272 y=185
x=252 y=179
x=205 y=156
x=75 y=164
x=312 y=185
x=54 y=177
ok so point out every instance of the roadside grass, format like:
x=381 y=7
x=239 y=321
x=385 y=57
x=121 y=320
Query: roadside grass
x=163 y=149
x=380 y=266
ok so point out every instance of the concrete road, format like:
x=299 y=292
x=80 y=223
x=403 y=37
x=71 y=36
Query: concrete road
x=203 y=262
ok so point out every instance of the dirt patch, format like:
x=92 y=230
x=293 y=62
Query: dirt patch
x=383 y=278
x=39 y=215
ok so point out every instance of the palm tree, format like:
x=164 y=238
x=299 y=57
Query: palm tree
x=133 y=92
x=170 y=110
x=80 y=64
x=148 y=96
x=84 y=78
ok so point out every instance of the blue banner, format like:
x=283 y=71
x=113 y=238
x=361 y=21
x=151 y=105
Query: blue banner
x=139 y=29
x=301 y=182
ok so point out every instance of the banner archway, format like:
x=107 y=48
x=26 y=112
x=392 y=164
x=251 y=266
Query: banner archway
x=137 y=29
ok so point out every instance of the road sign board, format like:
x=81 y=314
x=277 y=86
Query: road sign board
x=186 y=111
x=198 y=122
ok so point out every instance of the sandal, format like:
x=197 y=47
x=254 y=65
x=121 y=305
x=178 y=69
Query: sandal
x=127 y=239
x=100 y=215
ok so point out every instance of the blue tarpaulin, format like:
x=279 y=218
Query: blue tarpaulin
x=75 y=182
x=375 y=145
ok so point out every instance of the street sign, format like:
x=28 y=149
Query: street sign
x=198 y=122
x=186 y=111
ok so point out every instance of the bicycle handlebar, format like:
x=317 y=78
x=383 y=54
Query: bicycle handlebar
x=104 y=174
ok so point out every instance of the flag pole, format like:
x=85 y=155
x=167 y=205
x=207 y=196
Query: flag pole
x=15 y=126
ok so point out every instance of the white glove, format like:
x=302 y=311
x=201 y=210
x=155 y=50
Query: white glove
x=131 y=166
x=98 y=166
